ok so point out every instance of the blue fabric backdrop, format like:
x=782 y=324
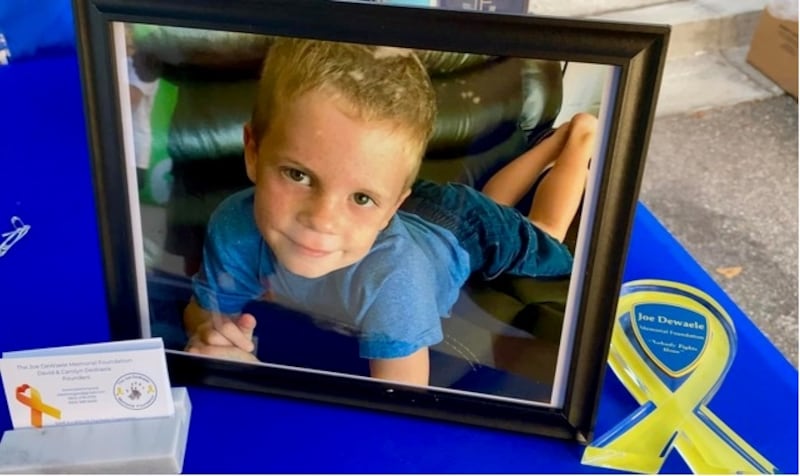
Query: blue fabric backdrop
x=33 y=25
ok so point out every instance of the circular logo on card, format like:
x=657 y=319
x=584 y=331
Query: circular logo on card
x=135 y=391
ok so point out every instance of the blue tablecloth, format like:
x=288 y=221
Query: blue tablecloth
x=52 y=293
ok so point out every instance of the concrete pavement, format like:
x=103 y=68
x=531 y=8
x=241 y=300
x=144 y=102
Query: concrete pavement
x=724 y=181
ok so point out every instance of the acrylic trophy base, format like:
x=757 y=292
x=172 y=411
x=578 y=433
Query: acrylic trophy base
x=671 y=348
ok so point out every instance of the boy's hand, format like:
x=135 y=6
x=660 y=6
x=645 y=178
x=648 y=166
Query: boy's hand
x=220 y=351
x=219 y=335
x=225 y=338
x=225 y=331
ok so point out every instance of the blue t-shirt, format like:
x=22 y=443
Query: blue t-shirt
x=392 y=299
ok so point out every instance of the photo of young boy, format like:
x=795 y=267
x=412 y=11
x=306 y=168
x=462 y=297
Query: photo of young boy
x=337 y=225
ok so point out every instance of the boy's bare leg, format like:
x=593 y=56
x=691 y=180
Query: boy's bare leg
x=559 y=194
x=509 y=184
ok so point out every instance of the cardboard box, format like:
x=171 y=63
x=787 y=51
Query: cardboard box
x=773 y=50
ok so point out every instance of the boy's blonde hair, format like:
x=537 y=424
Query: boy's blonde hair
x=380 y=83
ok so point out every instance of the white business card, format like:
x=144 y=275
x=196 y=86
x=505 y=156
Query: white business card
x=87 y=383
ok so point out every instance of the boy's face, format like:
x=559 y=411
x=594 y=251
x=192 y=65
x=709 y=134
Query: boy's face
x=326 y=183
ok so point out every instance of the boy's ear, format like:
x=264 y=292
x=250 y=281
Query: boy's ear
x=400 y=201
x=250 y=152
x=403 y=197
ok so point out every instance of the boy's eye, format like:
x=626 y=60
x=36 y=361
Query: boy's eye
x=362 y=200
x=295 y=175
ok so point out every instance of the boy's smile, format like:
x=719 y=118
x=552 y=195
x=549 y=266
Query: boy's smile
x=326 y=181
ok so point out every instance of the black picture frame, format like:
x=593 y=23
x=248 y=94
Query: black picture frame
x=636 y=54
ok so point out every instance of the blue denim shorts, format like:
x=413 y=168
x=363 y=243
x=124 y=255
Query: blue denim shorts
x=499 y=239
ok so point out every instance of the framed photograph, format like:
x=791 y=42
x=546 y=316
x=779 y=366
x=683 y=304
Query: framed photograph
x=268 y=222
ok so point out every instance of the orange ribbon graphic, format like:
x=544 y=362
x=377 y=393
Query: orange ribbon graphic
x=34 y=401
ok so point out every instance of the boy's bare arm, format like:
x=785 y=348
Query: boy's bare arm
x=414 y=369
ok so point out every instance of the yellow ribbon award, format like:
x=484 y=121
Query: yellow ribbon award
x=671 y=347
